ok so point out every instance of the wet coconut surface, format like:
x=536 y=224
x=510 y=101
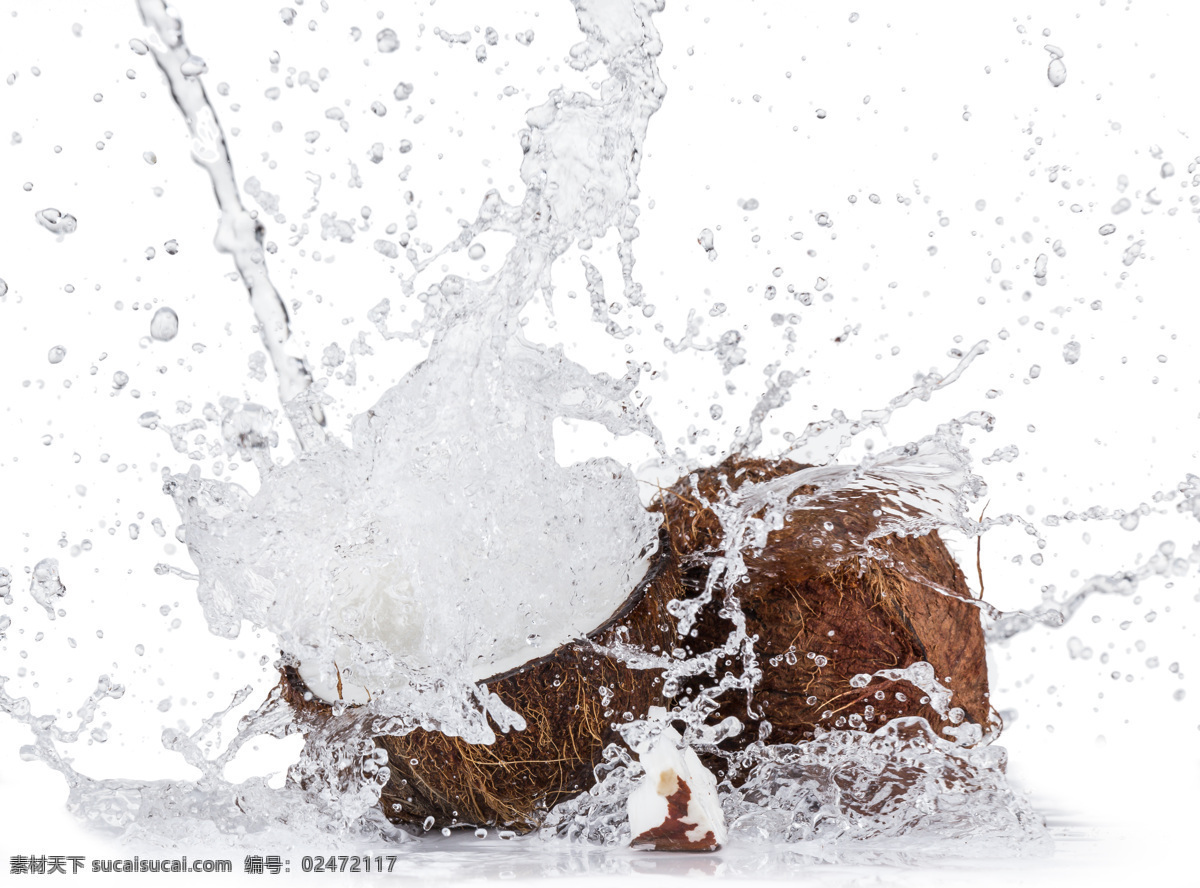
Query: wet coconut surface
x=821 y=609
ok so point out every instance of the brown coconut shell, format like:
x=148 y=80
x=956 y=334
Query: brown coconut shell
x=807 y=603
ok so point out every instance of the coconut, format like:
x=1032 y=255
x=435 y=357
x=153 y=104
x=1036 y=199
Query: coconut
x=845 y=623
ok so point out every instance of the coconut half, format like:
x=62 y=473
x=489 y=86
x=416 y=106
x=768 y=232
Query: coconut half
x=558 y=627
x=841 y=641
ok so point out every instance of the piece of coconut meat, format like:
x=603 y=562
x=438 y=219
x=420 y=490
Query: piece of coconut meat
x=380 y=606
x=676 y=806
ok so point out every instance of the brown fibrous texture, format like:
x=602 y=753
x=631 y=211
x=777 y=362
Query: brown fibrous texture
x=826 y=600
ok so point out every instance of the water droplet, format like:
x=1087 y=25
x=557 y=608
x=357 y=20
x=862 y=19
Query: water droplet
x=56 y=354
x=821 y=115
x=1132 y=252
x=164 y=326
x=1056 y=73
x=149 y=420
x=1070 y=352
x=476 y=251
x=1130 y=521
x=3 y=288
x=52 y=220
x=150 y=157
x=387 y=41
x=287 y=14
x=1107 y=229
x=193 y=66
x=120 y=379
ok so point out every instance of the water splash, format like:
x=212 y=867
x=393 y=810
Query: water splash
x=399 y=609
x=366 y=586
x=46 y=587
x=336 y=795
x=899 y=795
x=408 y=607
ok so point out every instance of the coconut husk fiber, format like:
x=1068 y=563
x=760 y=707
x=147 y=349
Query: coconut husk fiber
x=820 y=617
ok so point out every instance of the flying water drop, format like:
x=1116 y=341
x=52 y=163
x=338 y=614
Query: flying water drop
x=46 y=587
x=194 y=66
x=387 y=41
x=52 y=220
x=164 y=326
x=1056 y=73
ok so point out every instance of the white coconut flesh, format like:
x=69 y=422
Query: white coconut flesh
x=378 y=608
x=675 y=807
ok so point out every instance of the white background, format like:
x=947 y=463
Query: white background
x=1108 y=759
